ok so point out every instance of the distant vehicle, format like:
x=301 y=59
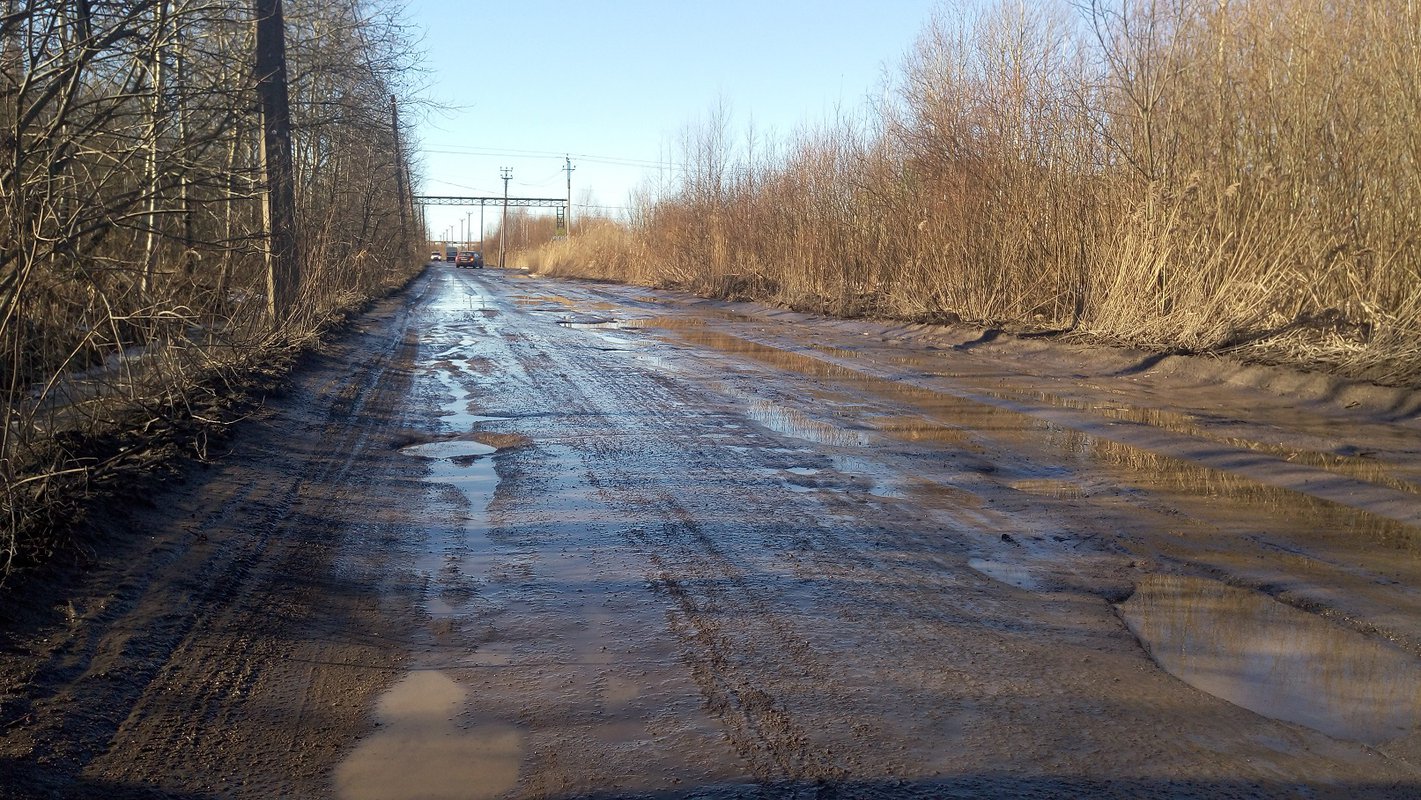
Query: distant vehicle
x=472 y=259
x=450 y=253
x=435 y=256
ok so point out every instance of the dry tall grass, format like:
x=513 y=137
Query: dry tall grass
x=1204 y=175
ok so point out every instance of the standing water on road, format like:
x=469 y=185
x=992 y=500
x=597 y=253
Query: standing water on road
x=1275 y=660
x=431 y=743
x=749 y=554
x=422 y=751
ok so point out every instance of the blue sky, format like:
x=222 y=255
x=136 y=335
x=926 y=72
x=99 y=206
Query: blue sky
x=615 y=83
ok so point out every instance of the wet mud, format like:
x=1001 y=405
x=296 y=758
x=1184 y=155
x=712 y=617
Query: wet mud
x=554 y=539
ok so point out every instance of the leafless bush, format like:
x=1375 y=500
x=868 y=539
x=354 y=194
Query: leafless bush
x=131 y=233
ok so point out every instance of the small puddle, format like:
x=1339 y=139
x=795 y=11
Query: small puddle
x=1011 y=574
x=451 y=450
x=589 y=321
x=422 y=751
x=1275 y=660
x=791 y=422
x=451 y=562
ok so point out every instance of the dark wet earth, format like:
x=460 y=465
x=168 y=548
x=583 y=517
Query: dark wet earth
x=687 y=549
x=512 y=537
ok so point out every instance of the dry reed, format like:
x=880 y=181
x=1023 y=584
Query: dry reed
x=1186 y=175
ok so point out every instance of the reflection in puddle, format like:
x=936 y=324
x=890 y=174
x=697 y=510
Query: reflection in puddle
x=1337 y=528
x=1011 y=574
x=1275 y=660
x=457 y=296
x=774 y=356
x=420 y=751
x=588 y=321
x=790 y=422
x=450 y=450
x=630 y=324
x=917 y=429
x=1050 y=487
x=451 y=562
x=1358 y=467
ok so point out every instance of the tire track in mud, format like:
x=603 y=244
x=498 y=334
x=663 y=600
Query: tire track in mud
x=985 y=639
x=239 y=650
x=1119 y=443
x=604 y=399
x=762 y=729
x=741 y=636
x=157 y=689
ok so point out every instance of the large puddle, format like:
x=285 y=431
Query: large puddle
x=1275 y=660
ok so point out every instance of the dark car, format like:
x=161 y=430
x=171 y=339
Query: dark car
x=472 y=259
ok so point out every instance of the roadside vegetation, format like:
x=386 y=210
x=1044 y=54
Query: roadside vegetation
x=132 y=239
x=1236 y=176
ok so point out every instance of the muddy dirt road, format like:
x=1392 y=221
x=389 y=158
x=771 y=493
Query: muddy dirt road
x=514 y=537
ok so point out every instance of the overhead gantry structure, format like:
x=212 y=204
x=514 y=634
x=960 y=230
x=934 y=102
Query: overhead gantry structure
x=524 y=202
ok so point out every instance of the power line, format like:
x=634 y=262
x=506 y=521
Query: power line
x=540 y=182
x=454 y=150
x=478 y=190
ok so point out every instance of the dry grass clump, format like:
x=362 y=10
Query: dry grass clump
x=132 y=271
x=1186 y=175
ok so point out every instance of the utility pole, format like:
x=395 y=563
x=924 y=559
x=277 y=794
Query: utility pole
x=503 y=226
x=469 y=228
x=282 y=253
x=567 y=214
x=481 y=225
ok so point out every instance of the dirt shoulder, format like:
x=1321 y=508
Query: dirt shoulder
x=225 y=592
